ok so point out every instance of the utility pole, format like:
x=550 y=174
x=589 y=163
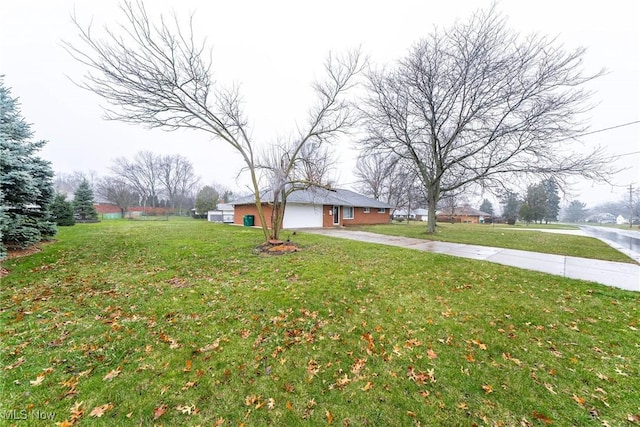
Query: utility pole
x=630 y=206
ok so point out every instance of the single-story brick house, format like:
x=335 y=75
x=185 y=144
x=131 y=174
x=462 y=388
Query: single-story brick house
x=464 y=214
x=319 y=207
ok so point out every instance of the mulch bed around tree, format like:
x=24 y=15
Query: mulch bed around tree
x=20 y=252
x=276 y=247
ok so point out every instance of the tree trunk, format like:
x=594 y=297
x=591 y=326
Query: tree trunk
x=432 y=202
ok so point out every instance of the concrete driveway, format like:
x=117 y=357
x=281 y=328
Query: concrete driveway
x=615 y=274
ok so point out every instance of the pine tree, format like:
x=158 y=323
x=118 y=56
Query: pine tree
x=62 y=211
x=26 y=180
x=553 y=200
x=534 y=205
x=510 y=202
x=487 y=206
x=83 y=202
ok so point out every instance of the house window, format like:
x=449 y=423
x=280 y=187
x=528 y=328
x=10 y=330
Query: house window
x=347 y=212
x=366 y=210
x=381 y=210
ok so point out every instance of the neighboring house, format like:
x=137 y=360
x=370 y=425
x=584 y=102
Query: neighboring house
x=602 y=218
x=465 y=214
x=319 y=207
x=223 y=213
x=621 y=220
x=415 y=215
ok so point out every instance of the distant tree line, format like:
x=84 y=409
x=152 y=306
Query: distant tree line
x=147 y=180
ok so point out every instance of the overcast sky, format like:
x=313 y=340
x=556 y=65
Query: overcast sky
x=275 y=50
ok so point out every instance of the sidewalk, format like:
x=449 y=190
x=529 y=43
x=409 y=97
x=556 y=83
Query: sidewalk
x=615 y=274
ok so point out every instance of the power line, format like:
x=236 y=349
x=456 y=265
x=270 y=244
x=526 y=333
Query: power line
x=629 y=154
x=609 y=128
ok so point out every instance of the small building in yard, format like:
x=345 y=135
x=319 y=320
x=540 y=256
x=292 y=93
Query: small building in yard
x=319 y=207
x=223 y=213
x=414 y=214
x=465 y=214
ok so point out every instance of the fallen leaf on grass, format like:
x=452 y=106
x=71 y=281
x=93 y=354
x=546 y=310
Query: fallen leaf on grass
x=542 y=417
x=579 y=400
x=368 y=386
x=187 y=409
x=431 y=354
x=550 y=388
x=213 y=346
x=488 y=388
x=99 y=411
x=111 y=375
x=329 y=417
x=187 y=366
x=15 y=364
x=76 y=412
x=37 y=381
x=634 y=418
x=159 y=411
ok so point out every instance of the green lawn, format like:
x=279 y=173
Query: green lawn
x=520 y=237
x=179 y=323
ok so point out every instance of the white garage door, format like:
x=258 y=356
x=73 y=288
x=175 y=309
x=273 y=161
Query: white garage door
x=302 y=216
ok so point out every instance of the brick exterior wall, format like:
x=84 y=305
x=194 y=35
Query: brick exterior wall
x=359 y=216
x=240 y=211
x=362 y=218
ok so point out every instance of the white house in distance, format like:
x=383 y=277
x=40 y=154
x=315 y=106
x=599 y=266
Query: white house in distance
x=223 y=213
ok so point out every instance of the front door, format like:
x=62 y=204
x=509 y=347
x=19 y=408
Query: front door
x=336 y=215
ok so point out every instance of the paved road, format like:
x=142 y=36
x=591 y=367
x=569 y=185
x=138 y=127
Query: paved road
x=626 y=241
x=615 y=274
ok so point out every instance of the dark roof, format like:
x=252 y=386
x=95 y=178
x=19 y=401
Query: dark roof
x=322 y=196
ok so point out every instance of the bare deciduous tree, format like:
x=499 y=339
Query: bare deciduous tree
x=375 y=174
x=478 y=104
x=68 y=183
x=176 y=174
x=143 y=174
x=284 y=175
x=117 y=191
x=158 y=75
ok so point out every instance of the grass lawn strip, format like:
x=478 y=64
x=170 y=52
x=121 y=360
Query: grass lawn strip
x=501 y=236
x=180 y=323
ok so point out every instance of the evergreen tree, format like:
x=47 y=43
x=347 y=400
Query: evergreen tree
x=83 y=203
x=26 y=181
x=510 y=202
x=553 y=200
x=576 y=211
x=487 y=206
x=534 y=205
x=206 y=200
x=62 y=211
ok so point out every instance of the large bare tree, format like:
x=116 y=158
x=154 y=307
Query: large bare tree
x=143 y=174
x=157 y=74
x=285 y=174
x=178 y=179
x=478 y=103
x=116 y=190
